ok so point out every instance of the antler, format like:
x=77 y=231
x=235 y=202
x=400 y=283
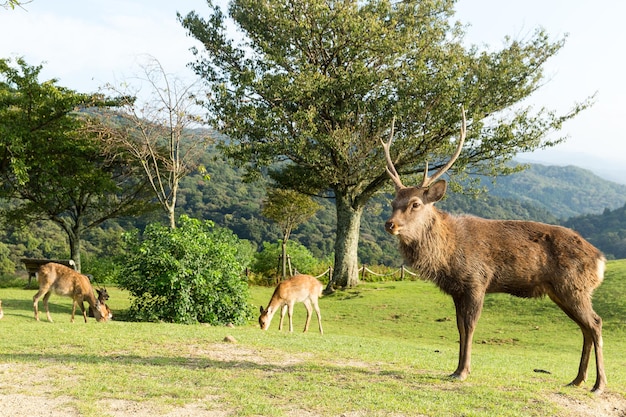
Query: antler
x=391 y=170
x=429 y=180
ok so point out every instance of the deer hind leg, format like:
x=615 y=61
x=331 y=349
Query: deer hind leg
x=319 y=314
x=307 y=305
x=36 y=299
x=74 y=302
x=468 y=311
x=581 y=312
x=45 y=304
x=283 y=310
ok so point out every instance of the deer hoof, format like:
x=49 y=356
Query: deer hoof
x=458 y=377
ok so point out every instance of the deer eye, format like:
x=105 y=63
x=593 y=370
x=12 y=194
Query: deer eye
x=416 y=205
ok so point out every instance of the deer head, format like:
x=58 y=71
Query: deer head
x=414 y=204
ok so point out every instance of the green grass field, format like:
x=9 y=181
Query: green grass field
x=386 y=351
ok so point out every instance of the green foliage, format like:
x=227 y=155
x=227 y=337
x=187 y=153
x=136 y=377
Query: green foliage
x=6 y=264
x=185 y=275
x=51 y=168
x=288 y=209
x=266 y=262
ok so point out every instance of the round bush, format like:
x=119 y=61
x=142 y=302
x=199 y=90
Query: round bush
x=185 y=275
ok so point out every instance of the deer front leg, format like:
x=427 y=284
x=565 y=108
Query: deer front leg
x=81 y=303
x=290 y=313
x=468 y=311
x=283 y=310
x=45 y=304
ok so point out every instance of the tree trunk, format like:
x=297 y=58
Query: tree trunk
x=74 y=238
x=284 y=258
x=171 y=215
x=346 y=272
x=170 y=206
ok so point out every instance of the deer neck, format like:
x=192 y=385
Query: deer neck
x=430 y=250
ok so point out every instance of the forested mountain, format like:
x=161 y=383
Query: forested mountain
x=534 y=194
x=563 y=191
x=607 y=231
x=542 y=193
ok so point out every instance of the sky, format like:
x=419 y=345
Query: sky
x=86 y=44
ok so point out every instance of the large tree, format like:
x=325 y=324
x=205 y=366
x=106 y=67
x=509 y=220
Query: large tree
x=51 y=168
x=316 y=84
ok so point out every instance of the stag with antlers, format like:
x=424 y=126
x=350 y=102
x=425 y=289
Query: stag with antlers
x=468 y=257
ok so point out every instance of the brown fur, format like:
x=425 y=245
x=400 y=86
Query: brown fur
x=65 y=281
x=103 y=296
x=468 y=257
x=298 y=289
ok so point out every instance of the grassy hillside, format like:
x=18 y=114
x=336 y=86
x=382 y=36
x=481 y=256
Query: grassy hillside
x=386 y=351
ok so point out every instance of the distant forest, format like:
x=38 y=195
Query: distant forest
x=570 y=196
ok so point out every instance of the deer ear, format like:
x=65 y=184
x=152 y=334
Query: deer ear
x=261 y=309
x=435 y=192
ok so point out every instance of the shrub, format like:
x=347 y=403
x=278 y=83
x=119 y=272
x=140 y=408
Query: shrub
x=193 y=273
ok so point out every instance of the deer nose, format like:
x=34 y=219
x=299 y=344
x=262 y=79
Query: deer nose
x=390 y=226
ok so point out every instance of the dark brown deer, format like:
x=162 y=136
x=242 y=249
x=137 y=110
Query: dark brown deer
x=65 y=281
x=468 y=257
x=297 y=289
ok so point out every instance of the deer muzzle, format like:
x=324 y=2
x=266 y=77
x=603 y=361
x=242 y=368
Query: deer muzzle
x=391 y=227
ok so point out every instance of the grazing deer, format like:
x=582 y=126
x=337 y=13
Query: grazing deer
x=297 y=289
x=468 y=257
x=66 y=281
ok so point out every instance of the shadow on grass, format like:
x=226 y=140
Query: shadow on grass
x=21 y=307
x=198 y=363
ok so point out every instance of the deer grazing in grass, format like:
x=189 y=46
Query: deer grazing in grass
x=467 y=257
x=65 y=281
x=297 y=289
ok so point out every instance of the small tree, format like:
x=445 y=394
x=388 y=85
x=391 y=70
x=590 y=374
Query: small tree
x=160 y=131
x=304 y=261
x=288 y=209
x=189 y=274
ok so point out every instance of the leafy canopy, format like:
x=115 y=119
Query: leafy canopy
x=313 y=85
x=51 y=168
x=317 y=83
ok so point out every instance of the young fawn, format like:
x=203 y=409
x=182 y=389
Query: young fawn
x=65 y=281
x=103 y=296
x=468 y=257
x=298 y=289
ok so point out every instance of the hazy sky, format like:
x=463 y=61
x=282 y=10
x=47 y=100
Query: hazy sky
x=86 y=44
